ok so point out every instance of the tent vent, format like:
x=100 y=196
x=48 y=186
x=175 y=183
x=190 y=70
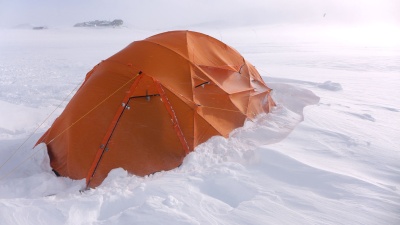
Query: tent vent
x=240 y=69
x=146 y=96
x=202 y=84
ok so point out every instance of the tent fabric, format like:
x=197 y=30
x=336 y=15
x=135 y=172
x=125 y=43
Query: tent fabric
x=149 y=105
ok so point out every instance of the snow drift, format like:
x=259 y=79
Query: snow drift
x=327 y=154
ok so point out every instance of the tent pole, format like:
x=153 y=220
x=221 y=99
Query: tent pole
x=171 y=112
x=103 y=145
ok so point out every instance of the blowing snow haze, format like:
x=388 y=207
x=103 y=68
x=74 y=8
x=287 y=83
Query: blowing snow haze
x=327 y=154
x=175 y=13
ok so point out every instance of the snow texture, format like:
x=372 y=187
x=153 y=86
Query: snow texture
x=328 y=153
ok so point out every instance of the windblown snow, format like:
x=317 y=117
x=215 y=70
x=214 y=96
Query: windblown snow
x=328 y=153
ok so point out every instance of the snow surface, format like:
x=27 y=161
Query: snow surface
x=329 y=153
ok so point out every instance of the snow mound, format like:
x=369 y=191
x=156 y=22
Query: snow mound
x=331 y=86
x=16 y=119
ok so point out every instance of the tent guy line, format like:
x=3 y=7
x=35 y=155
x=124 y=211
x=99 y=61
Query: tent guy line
x=43 y=148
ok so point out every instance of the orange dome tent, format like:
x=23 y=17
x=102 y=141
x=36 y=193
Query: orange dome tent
x=146 y=107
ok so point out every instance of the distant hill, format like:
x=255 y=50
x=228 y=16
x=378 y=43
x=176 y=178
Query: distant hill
x=100 y=23
x=40 y=28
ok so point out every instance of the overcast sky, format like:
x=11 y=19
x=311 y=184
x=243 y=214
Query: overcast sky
x=170 y=13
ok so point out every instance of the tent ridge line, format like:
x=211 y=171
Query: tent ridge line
x=103 y=145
